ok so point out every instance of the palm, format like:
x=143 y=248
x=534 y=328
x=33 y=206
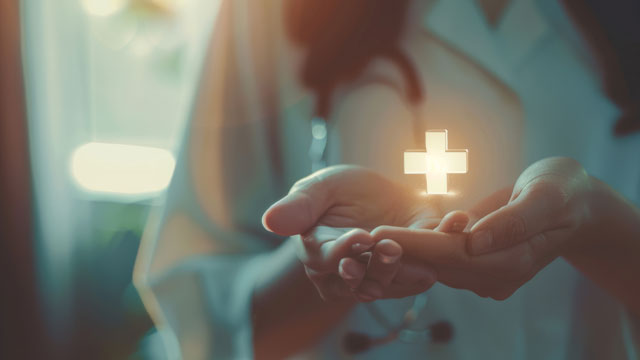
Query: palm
x=367 y=200
x=326 y=208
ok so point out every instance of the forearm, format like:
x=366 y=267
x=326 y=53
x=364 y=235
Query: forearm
x=288 y=314
x=607 y=250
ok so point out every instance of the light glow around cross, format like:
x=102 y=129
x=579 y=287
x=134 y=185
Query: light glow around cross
x=436 y=162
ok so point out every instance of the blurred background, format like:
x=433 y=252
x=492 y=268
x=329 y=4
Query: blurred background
x=108 y=87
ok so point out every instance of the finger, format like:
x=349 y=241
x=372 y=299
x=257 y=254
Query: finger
x=329 y=286
x=492 y=202
x=300 y=210
x=413 y=271
x=369 y=290
x=364 y=257
x=453 y=222
x=413 y=277
x=395 y=291
x=352 y=272
x=515 y=264
x=297 y=212
x=351 y=243
x=323 y=247
x=426 y=218
x=310 y=198
x=513 y=223
x=521 y=260
x=384 y=262
x=427 y=223
x=503 y=266
x=312 y=241
x=427 y=245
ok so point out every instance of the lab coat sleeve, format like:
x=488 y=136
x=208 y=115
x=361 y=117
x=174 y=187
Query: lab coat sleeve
x=196 y=268
x=200 y=277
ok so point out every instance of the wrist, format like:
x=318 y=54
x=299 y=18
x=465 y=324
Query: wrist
x=606 y=246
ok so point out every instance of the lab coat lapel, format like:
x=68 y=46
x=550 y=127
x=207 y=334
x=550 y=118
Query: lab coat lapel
x=500 y=50
x=523 y=26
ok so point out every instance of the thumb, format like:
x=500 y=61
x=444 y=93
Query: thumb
x=511 y=224
x=301 y=209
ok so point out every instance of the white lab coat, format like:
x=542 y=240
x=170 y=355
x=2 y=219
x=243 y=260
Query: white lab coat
x=512 y=94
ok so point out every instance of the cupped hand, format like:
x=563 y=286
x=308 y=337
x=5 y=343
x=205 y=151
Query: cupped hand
x=515 y=237
x=334 y=210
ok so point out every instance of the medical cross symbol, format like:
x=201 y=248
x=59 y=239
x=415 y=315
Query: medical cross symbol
x=436 y=162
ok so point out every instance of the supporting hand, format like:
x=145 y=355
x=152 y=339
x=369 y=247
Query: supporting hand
x=508 y=246
x=333 y=210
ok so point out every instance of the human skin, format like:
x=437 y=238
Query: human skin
x=288 y=313
x=334 y=211
x=555 y=209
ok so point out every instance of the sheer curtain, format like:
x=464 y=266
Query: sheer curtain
x=122 y=78
x=54 y=38
x=19 y=304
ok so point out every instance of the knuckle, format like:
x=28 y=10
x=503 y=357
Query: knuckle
x=389 y=248
x=547 y=188
x=515 y=230
x=357 y=233
x=381 y=232
x=540 y=187
x=570 y=220
x=309 y=240
x=307 y=182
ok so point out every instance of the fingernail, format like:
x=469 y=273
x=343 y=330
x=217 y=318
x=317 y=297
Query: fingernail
x=360 y=248
x=388 y=259
x=349 y=270
x=457 y=227
x=388 y=254
x=481 y=242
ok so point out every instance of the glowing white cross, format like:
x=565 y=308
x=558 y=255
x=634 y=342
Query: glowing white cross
x=436 y=162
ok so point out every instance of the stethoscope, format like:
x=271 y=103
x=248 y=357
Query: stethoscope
x=437 y=332
x=357 y=342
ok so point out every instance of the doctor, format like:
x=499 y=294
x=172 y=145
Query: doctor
x=514 y=84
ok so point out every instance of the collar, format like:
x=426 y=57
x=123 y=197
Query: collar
x=500 y=49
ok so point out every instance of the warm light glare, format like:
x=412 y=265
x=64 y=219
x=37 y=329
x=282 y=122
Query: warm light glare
x=123 y=169
x=103 y=7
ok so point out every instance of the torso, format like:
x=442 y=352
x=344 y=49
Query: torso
x=506 y=122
